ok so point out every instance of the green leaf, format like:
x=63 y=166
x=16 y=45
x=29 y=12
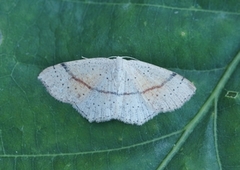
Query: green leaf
x=197 y=39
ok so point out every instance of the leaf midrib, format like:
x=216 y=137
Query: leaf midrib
x=203 y=111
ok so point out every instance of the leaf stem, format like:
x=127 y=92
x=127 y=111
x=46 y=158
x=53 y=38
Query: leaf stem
x=202 y=112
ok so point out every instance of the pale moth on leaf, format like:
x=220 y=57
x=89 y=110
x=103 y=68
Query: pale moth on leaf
x=101 y=89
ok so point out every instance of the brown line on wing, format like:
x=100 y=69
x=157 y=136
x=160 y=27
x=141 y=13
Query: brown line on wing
x=115 y=93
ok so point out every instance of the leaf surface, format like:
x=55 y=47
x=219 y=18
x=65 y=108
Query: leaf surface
x=200 y=40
